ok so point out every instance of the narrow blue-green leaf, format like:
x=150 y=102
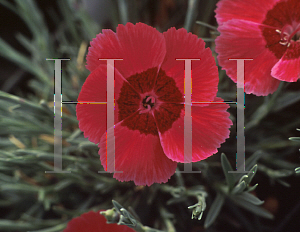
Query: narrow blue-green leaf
x=280 y=173
x=117 y=206
x=243 y=178
x=250 y=198
x=13 y=225
x=286 y=100
x=206 y=25
x=176 y=200
x=294 y=138
x=226 y=168
x=11 y=54
x=56 y=228
x=191 y=14
x=248 y=178
x=214 y=210
x=239 y=188
x=250 y=162
x=285 y=184
x=9 y=6
x=17 y=100
x=250 y=189
x=252 y=208
x=123 y=11
x=128 y=215
x=251 y=174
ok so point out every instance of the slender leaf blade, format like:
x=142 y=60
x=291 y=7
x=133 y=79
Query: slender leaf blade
x=226 y=168
x=214 y=210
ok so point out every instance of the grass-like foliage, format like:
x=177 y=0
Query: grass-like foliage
x=32 y=200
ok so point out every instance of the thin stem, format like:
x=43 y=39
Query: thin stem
x=207 y=25
x=191 y=14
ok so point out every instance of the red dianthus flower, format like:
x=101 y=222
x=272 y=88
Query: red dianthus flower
x=149 y=101
x=268 y=31
x=94 y=222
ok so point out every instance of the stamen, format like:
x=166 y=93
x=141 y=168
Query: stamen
x=283 y=43
x=288 y=34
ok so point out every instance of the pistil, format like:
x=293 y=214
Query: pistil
x=288 y=34
x=148 y=102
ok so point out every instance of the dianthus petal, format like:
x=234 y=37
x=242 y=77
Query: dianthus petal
x=94 y=222
x=254 y=11
x=241 y=39
x=140 y=46
x=92 y=116
x=210 y=128
x=139 y=156
x=205 y=78
x=287 y=69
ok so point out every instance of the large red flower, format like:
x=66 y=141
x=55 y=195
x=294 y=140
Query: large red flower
x=267 y=31
x=149 y=106
x=94 y=222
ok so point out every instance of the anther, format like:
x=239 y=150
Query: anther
x=283 y=43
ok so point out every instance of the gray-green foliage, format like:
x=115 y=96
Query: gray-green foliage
x=46 y=202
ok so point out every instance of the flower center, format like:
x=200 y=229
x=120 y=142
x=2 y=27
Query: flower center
x=289 y=34
x=281 y=29
x=149 y=101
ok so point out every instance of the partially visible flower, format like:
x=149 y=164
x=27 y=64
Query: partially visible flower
x=149 y=106
x=94 y=222
x=268 y=31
